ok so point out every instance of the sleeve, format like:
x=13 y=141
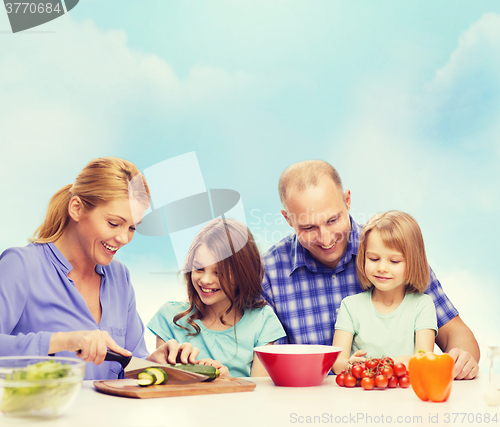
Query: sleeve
x=445 y=310
x=271 y=329
x=426 y=314
x=345 y=320
x=160 y=323
x=14 y=289
x=134 y=341
x=267 y=292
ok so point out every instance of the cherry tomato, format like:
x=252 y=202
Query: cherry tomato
x=368 y=383
x=381 y=381
x=349 y=381
x=387 y=361
x=367 y=373
x=393 y=382
x=387 y=371
x=371 y=363
x=399 y=369
x=357 y=371
x=340 y=379
x=404 y=381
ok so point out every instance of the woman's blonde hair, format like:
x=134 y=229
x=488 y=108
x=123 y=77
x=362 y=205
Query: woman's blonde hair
x=399 y=231
x=239 y=267
x=101 y=181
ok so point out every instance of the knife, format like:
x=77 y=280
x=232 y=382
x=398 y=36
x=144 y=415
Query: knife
x=132 y=366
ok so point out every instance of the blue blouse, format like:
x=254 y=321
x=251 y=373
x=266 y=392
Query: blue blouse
x=37 y=299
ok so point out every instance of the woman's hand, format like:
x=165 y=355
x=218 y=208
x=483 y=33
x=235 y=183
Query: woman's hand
x=91 y=346
x=224 y=371
x=172 y=352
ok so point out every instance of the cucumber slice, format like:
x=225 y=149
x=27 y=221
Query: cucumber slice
x=146 y=378
x=160 y=374
x=144 y=382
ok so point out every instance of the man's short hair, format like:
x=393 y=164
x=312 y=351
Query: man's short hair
x=306 y=174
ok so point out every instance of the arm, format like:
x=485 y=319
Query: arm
x=424 y=341
x=343 y=339
x=454 y=337
x=258 y=369
x=457 y=339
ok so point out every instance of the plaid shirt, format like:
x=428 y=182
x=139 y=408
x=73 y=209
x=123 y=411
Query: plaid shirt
x=306 y=294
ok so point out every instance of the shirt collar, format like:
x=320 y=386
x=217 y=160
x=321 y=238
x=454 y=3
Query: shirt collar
x=58 y=258
x=302 y=257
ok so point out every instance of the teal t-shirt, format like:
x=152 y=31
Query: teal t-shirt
x=385 y=334
x=232 y=347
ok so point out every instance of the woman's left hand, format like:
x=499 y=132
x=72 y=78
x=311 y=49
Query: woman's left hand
x=172 y=352
x=224 y=371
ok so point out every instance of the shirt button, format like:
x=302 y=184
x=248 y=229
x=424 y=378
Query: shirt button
x=334 y=276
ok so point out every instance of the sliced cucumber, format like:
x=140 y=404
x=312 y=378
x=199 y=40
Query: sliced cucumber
x=144 y=382
x=146 y=378
x=152 y=376
x=160 y=374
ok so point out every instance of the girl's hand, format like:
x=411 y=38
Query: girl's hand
x=91 y=346
x=224 y=371
x=172 y=352
x=356 y=357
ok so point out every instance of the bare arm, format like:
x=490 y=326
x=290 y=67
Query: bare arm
x=343 y=339
x=258 y=369
x=457 y=339
x=424 y=341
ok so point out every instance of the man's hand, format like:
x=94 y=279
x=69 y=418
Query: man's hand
x=466 y=367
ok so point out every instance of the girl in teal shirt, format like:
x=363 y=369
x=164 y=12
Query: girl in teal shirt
x=393 y=317
x=224 y=316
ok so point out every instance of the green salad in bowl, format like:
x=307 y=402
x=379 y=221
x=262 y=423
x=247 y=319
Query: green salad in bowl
x=39 y=386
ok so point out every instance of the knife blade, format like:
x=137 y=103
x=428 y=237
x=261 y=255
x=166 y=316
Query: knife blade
x=132 y=366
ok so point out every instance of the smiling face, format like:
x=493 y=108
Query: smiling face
x=320 y=217
x=385 y=267
x=205 y=278
x=103 y=230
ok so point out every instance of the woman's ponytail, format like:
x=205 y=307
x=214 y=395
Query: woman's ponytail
x=56 y=217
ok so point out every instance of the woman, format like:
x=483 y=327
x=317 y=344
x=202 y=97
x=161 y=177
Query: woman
x=64 y=293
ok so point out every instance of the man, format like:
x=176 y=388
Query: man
x=310 y=272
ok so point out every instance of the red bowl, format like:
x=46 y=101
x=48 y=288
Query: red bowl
x=297 y=365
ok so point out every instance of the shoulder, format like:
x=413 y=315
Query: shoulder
x=279 y=249
x=171 y=308
x=24 y=255
x=420 y=299
x=360 y=298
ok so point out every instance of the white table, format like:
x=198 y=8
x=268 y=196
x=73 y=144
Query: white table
x=268 y=405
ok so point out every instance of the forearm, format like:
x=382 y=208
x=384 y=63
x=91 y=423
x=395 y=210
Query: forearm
x=35 y=344
x=456 y=334
x=340 y=364
x=58 y=342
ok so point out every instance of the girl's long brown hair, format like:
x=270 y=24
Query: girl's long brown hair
x=240 y=269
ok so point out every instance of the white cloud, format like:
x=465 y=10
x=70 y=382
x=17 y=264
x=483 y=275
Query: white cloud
x=68 y=95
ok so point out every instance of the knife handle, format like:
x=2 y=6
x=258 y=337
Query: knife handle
x=112 y=356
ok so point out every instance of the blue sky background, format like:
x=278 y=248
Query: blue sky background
x=402 y=97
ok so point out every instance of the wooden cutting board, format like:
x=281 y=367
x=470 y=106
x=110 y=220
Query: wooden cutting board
x=129 y=388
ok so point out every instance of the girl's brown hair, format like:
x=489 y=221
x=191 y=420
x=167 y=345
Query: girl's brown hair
x=239 y=267
x=401 y=232
x=101 y=181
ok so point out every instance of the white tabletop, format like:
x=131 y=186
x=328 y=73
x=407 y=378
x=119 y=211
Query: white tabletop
x=268 y=405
